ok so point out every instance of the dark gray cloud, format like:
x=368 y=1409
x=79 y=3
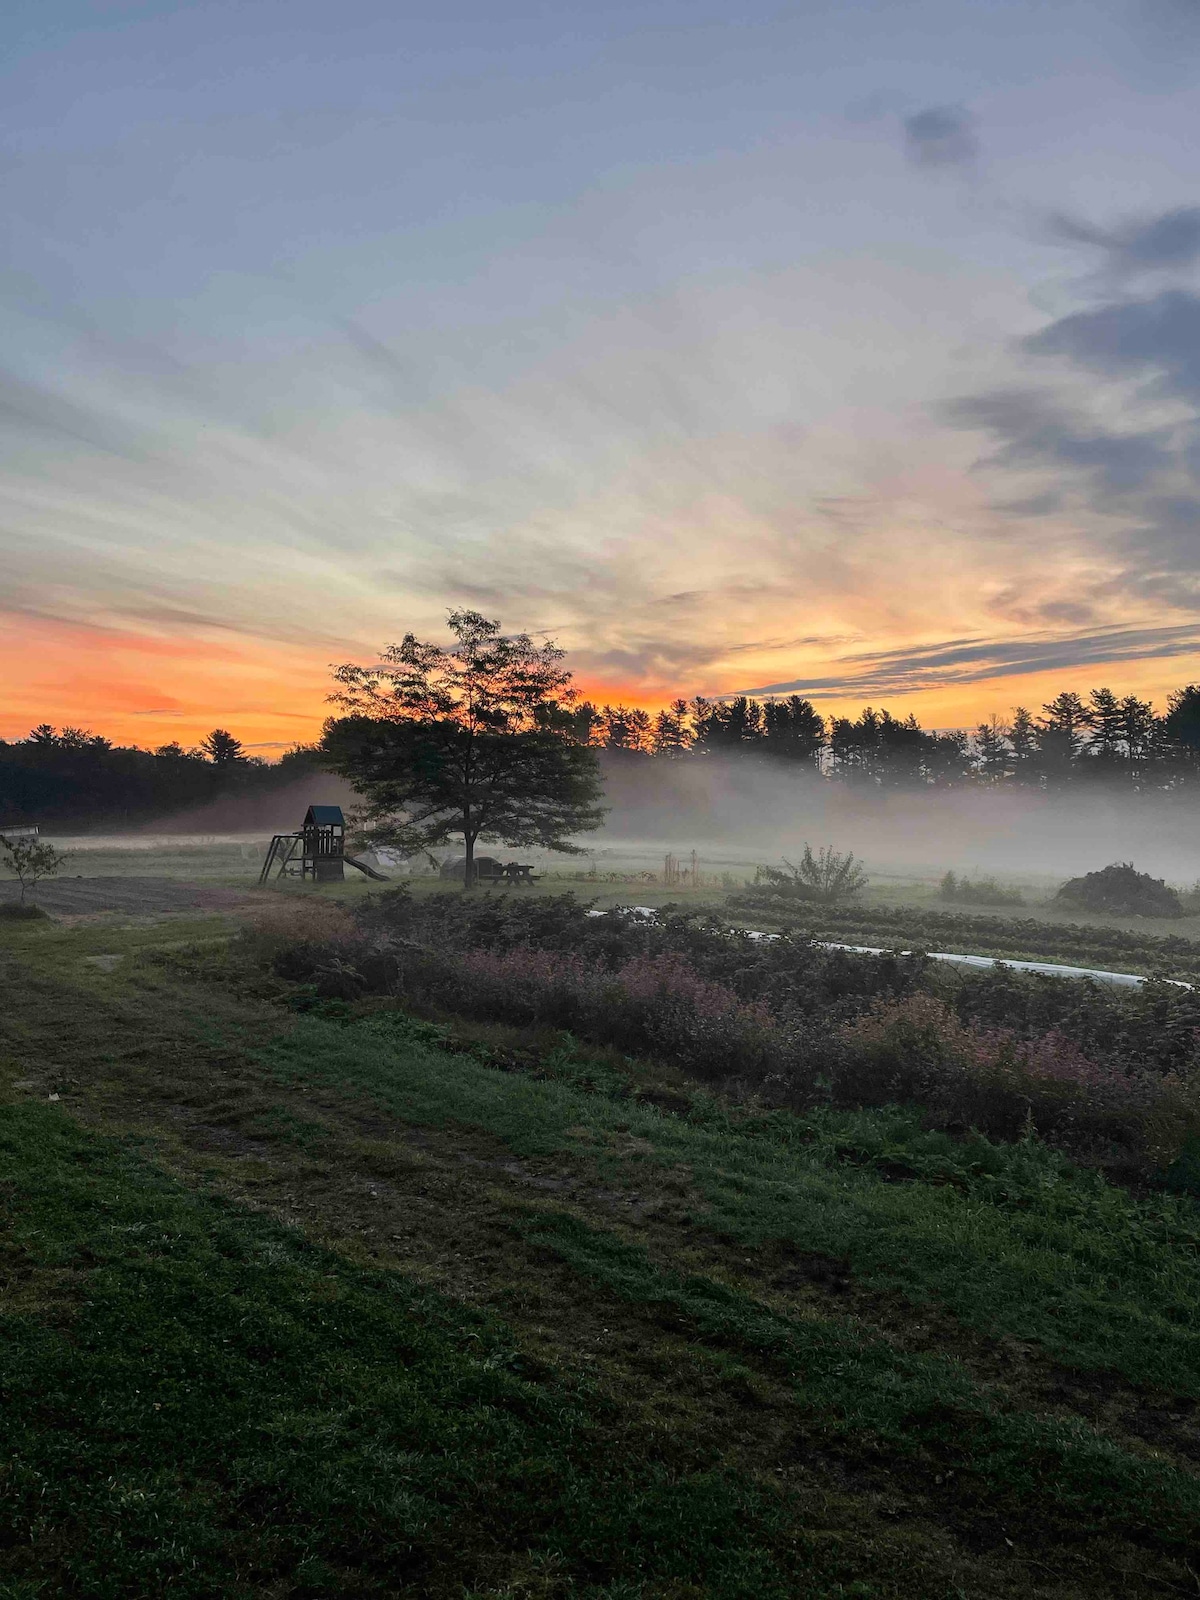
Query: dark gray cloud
x=1164 y=243
x=941 y=136
x=1037 y=430
x=975 y=660
x=1156 y=338
x=1094 y=431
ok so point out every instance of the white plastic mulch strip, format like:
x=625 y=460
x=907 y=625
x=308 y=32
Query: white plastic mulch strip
x=1129 y=980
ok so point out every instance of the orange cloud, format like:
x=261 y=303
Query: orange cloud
x=147 y=688
x=144 y=688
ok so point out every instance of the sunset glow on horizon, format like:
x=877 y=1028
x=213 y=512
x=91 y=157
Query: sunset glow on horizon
x=849 y=352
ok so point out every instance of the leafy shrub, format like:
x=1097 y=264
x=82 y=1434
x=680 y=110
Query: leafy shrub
x=1122 y=891
x=29 y=861
x=824 y=878
x=790 y=973
x=978 y=891
x=1110 y=1075
x=918 y=1050
x=655 y=1005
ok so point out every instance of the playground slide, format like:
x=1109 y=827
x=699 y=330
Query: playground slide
x=353 y=861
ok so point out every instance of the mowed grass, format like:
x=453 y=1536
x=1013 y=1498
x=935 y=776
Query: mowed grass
x=299 y=1307
x=197 y=1402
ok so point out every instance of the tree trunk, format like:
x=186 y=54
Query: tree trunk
x=469 y=865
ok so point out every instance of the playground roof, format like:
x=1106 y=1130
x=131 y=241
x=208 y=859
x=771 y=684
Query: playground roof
x=325 y=817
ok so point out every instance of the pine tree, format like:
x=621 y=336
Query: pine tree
x=222 y=749
x=1023 y=743
x=1103 y=721
x=1061 y=734
x=1136 y=730
x=946 y=758
x=991 y=751
x=641 y=729
x=618 y=728
x=793 y=729
x=671 y=736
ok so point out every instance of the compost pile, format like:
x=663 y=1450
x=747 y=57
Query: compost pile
x=1121 y=890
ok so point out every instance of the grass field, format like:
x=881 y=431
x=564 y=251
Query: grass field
x=234 y=861
x=296 y=1306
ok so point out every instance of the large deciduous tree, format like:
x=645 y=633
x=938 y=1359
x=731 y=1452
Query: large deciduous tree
x=468 y=741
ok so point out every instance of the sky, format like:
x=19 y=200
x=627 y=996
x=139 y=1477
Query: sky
x=851 y=351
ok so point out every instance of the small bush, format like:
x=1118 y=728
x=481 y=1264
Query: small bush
x=918 y=1051
x=978 y=891
x=1122 y=891
x=655 y=1005
x=824 y=878
x=29 y=861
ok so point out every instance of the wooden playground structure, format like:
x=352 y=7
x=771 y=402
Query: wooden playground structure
x=316 y=850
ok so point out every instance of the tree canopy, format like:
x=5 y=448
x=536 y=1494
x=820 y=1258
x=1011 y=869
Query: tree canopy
x=222 y=749
x=476 y=740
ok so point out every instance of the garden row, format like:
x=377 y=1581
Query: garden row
x=1109 y=1076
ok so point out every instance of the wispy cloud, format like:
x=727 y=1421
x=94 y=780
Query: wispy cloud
x=1167 y=242
x=1106 y=431
x=900 y=672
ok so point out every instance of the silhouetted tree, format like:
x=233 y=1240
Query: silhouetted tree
x=877 y=748
x=671 y=733
x=1061 y=734
x=89 y=779
x=1181 y=726
x=1023 y=743
x=222 y=749
x=946 y=758
x=793 y=729
x=443 y=742
x=992 y=751
x=733 y=725
x=1137 y=730
x=1103 y=722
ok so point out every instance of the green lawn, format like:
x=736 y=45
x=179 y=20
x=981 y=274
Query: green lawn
x=296 y=1306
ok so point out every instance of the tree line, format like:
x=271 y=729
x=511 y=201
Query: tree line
x=1072 y=737
x=73 y=775
x=70 y=774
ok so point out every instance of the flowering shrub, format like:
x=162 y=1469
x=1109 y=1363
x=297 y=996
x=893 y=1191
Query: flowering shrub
x=1113 y=1076
x=653 y=1004
x=992 y=1079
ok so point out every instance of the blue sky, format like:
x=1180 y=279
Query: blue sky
x=845 y=346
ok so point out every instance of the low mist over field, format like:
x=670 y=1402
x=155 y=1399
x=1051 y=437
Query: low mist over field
x=277 y=811
x=749 y=809
x=740 y=811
